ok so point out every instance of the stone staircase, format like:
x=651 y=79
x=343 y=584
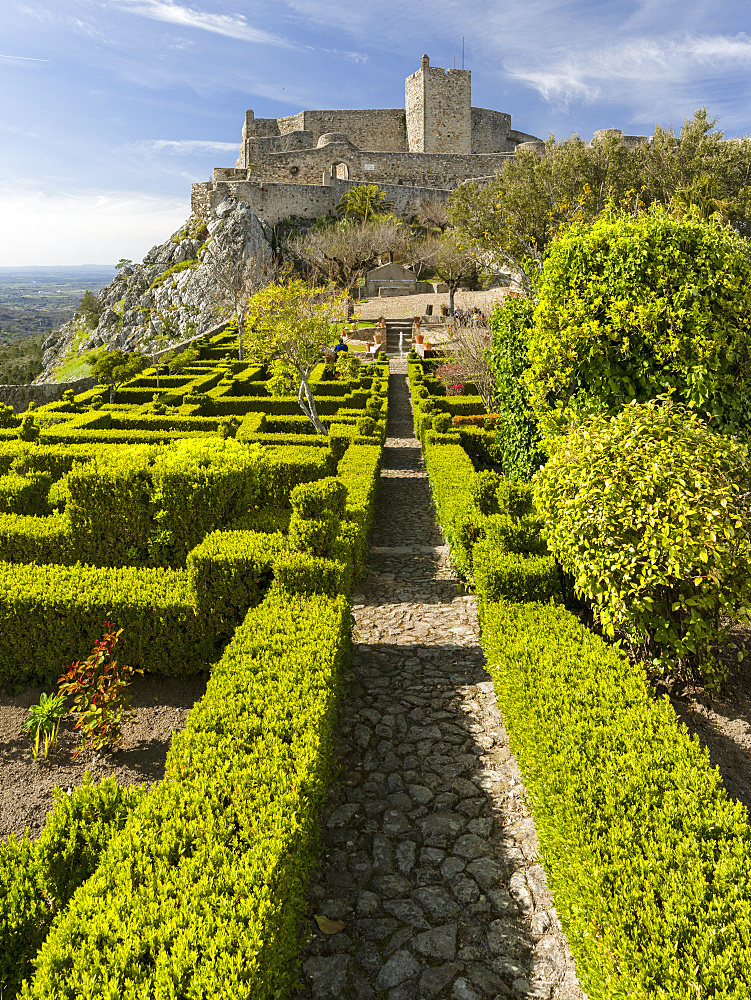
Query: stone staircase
x=395 y=327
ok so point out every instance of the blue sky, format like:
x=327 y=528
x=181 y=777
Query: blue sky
x=111 y=108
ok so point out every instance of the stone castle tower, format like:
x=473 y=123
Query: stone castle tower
x=438 y=104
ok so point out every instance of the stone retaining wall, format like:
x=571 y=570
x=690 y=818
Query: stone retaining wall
x=19 y=396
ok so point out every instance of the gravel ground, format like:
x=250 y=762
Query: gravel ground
x=400 y=306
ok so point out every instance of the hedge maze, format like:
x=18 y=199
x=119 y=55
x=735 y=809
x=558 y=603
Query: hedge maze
x=207 y=520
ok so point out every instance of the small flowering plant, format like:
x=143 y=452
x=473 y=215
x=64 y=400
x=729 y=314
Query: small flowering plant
x=99 y=686
x=453 y=377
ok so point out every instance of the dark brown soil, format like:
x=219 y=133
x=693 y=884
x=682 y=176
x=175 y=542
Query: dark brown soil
x=722 y=722
x=161 y=706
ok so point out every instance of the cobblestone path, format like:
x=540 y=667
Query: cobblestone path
x=429 y=852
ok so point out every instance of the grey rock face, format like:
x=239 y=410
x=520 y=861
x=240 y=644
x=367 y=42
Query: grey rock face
x=136 y=312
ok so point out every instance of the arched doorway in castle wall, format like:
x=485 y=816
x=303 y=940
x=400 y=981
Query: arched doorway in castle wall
x=337 y=171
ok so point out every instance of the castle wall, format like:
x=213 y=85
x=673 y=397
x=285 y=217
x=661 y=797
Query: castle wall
x=18 y=397
x=307 y=166
x=490 y=131
x=274 y=202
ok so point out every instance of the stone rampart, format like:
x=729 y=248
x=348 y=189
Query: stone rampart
x=19 y=396
x=274 y=202
x=490 y=131
x=383 y=129
x=307 y=166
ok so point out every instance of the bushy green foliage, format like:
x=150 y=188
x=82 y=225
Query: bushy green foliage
x=306 y=574
x=348 y=364
x=29 y=429
x=282 y=380
x=230 y=572
x=24 y=494
x=512 y=576
x=205 y=886
x=649 y=512
x=630 y=308
x=37 y=878
x=645 y=855
x=34 y=539
x=517 y=441
x=7 y=417
x=89 y=310
x=51 y=615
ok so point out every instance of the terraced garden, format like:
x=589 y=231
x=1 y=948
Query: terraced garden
x=225 y=550
x=208 y=521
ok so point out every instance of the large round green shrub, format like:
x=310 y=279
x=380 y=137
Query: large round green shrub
x=632 y=307
x=648 y=510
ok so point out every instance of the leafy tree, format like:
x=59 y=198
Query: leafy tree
x=364 y=202
x=113 y=368
x=343 y=251
x=629 y=308
x=282 y=379
x=450 y=260
x=292 y=322
x=234 y=277
x=517 y=434
x=89 y=310
x=649 y=510
x=177 y=362
x=512 y=220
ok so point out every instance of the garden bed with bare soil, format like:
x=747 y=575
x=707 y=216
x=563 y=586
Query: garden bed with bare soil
x=160 y=707
x=722 y=722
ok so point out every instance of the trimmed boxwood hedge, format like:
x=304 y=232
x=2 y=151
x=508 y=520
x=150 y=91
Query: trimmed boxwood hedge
x=203 y=891
x=648 y=860
x=38 y=878
x=51 y=615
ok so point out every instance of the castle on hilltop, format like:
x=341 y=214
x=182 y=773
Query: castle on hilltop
x=302 y=164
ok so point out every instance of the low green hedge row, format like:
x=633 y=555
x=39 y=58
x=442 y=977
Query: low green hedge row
x=647 y=858
x=69 y=434
x=38 y=878
x=231 y=406
x=145 y=506
x=359 y=470
x=202 y=893
x=51 y=615
x=230 y=571
x=25 y=494
x=137 y=420
x=32 y=539
x=494 y=537
x=149 y=506
x=56 y=460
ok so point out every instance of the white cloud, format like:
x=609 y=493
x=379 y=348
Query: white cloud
x=24 y=61
x=231 y=25
x=82 y=228
x=187 y=147
x=639 y=62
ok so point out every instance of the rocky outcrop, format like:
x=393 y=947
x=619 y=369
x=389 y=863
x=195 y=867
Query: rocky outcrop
x=167 y=298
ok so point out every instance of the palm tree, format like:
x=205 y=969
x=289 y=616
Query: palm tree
x=364 y=201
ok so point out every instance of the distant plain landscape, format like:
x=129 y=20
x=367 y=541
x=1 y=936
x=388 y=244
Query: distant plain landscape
x=35 y=301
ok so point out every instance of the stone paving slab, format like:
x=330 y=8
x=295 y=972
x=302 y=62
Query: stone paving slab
x=430 y=857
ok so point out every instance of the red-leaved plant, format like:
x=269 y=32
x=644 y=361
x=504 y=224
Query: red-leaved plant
x=453 y=377
x=99 y=686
